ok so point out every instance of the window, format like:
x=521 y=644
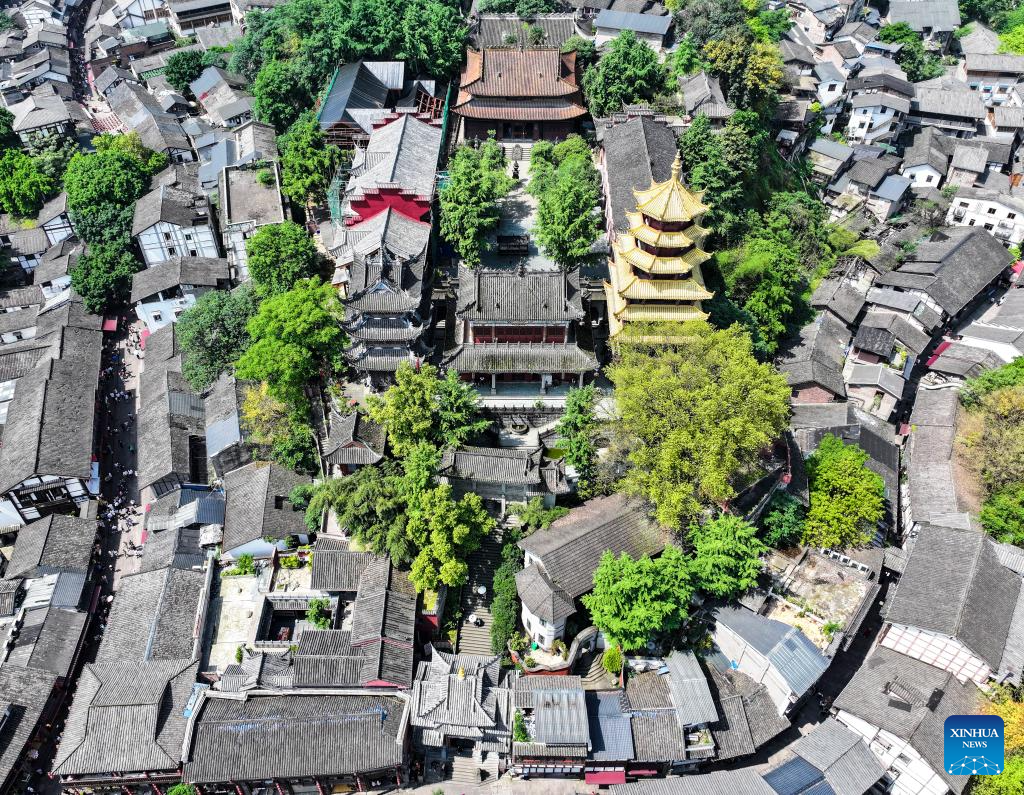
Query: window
x=971 y=222
x=929 y=178
x=188 y=235
x=988 y=226
x=862 y=125
x=1011 y=216
x=831 y=87
x=192 y=252
x=171 y=251
x=991 y=210
x=278 y=503
x=157 y=317
x=963 y=204
x=167 y=235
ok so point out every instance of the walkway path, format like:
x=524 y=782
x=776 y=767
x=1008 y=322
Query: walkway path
x=476 y=638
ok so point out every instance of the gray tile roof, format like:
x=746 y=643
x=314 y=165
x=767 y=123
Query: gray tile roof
x=542 y=597
x=560 y=717
x=177 y=547
x=637 y=152
x=171 y=205
x=178 y=272
x=527 y=686
x=817 y=357
x=1005 y=63
x=140 y=112
x=54 y=543
x=571 y=549
x=521 y=357
x=325 y=658
x=953 y=584
x=927 y=149
x=26 y=691
x=127 y=717
x=357 y=95
x=402 y=152
x=689 y=689
x=510 y=297
x=354 y=440
x=335 y=567
x=745 y=781
x=512 y=465
x=839 y=297
x=845 y=761
x=253 y=494
x=936 y=15
x=953 y=269
x=657 y=737
x=638 y=23
x=153 y=617
x=611 y=734
x=384 y=623
x=48 y=640
x=504 y=30
x=463 y=695
x=169 y=423
x=291 y=736
x=798 y=661
x=912 y=700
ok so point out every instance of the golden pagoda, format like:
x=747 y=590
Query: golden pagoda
x=655 y=268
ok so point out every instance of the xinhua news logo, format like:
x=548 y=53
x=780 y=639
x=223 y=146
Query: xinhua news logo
x=973 y=745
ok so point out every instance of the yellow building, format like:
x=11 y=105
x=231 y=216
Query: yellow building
x=655 y=268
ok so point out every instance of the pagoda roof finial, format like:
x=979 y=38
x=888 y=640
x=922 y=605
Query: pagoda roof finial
x=677 y=168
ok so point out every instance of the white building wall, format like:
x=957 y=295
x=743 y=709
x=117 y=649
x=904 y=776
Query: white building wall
x=160 y=313
x=1005 y=222
x=912 y=774
x=923 y=176
x=752 y=663
x=941 y=651
x=162 y=241
x=541 y=631
x=870 y=124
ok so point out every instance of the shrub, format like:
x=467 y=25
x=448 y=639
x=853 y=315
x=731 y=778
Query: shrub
x=291 y=562
x=504 y=605
x=559 y=647
x=612 y=661
x=830 y=629
x=244 y=566
x=783 y=522
x=239 y=653
x=182 y=789
x=529 y=662
x=265 y=177
x=519 y=732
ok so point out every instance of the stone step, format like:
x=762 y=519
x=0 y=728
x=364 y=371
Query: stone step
x=465 y=770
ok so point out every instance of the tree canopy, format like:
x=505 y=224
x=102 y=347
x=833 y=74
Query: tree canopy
x=912 y=57
x=576 y=429
x=184 y=67
x=103 y=277
x=296 y=338
x=445 y=532
x=212 y=333
x=52 y=153
x=696 y=413
x=847 y=500
x=285 y=436
x=102 y=189
x=308 y=162
x=1010 y=374
x=633 y=599
x=992 y=437
x=24 y=187
x=279 y=255
x=1002 y=515
x=783 y=521
x=751 y=71
x=628 y=73
x=279 y=94
x=469 y=202
x=726 y=556
x=422 y=407
x=131 y=144
x=567 y=187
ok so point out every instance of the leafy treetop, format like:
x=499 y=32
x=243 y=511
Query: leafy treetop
x=726 y=556
x=279 y=255
x=847 y=500
x=629 y=72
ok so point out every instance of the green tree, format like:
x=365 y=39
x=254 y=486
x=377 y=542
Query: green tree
x=912 y=57
x=567 y=222
x=994 y=11
x=726 y=556
x=8 y=137
x=1012 y=41
x=445 y=532
x=686 y=59
x=278 y=94
x=751 y=72
x=611 y=661
x=469 y=202
x=633 y=599
x=992 y=437
x=628 y=73
x=847 y=500
x=318 y=613
x=422 y=407
x=576 y=430
x=585 y=49
x=24 y=188
x=296 y=338
x=103 y=277
x=1010 y=374
x=710 y=20
x=1009 y=782
x=279 y=255
x=102 y=189
x=505 y=603
x=770 y=26
x=308 y=162
x=534 y=516
x=286 y=437
x=184 y=67
x=212 y=334
x=783 y=521
x=184 y=789
x=52 y=154
x=697 y=411
x=131 y=144
x=1002 y=515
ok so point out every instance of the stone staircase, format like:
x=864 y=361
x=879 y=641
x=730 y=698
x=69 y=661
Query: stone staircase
x=482 y=563
x=465 y=770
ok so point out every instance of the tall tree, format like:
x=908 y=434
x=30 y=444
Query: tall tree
x=279 y=255
x=52 y=154
x=628 y=73
x=8 y=137
x=847 y=500
x=1002 y=515
x=751 y=71
x=103 y=277
x=212 y=333
x=916 y=62
x=446 y=532
x=131 y=144
x=308 y=162
x=696 y=412
x=992 y=436
x=726 y=556
x=102 y=189
x=567 y=221
x=576 y=430
x=421 y=407
x=633 y=599
x=469 y=202
x=709 y=20
x=285 y=436
x=24 y=188
x=184 y=67
x=279 y=95
x=296 y=338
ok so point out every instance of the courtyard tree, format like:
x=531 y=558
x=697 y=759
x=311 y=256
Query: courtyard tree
x=212 y=333
x=130 y=144
x=184 y=67
x=102 y=189
x=695 y=409
x=568 y=193
x=726 y=556
x=469 y=202
x=103 y=277
x=445 y=532
x=285 y=436
x=628 y=73
x=576 y=430
x=24 y=187
x=633 y=599
x=847 y=500
x=308 y=162
x=279 y=255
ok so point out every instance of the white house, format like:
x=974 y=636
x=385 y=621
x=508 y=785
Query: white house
x=770 y=652
x=1002 y=214
x=560 y=562
x=925 y=162
x=899 y=706
x=1003 y=333
x=161 y=293
x=171 y=222
x=647 y=27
